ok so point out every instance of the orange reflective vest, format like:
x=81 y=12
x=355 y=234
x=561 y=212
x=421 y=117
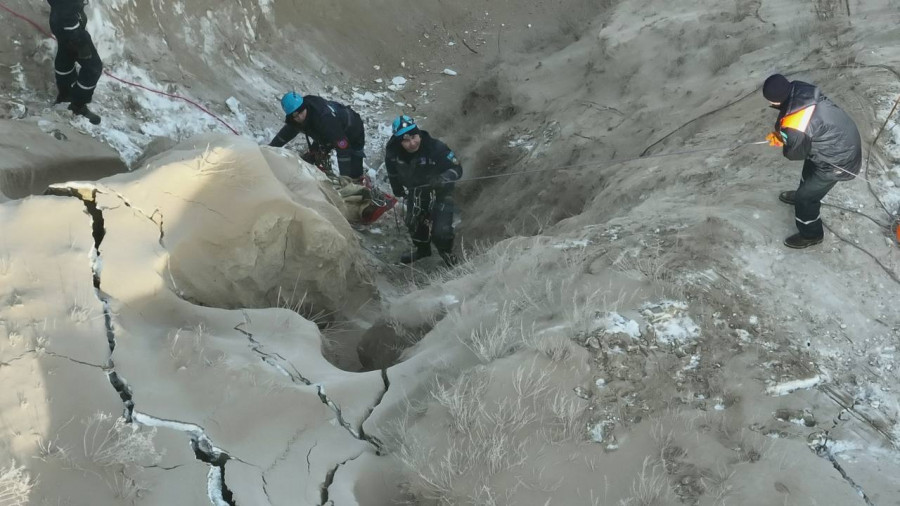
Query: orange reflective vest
x=798 y=120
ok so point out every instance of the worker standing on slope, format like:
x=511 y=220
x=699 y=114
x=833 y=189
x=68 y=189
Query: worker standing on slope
x=810 y=127
x=328 y=125
x=423 y=169
x=73 y=44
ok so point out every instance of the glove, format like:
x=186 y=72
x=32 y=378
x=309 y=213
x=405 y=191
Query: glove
x=775 y=139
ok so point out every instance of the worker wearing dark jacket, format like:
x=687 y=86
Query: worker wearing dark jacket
x=812 y=128
x=423 y=169
x=328 y=125
x=73 y=44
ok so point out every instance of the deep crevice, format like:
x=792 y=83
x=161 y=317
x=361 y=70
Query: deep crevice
x=203 y=448
x=329 y=479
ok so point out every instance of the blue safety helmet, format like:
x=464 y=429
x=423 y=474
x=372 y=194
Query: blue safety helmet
x=291 y=102
x=402 y=125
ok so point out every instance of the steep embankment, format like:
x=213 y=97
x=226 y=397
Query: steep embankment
x=628 y=331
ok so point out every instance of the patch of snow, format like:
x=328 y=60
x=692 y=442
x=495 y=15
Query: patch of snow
x=397 y=83
x=214 y=486
x=693 y=364
x=265 y=6
x=235 y=107
x=791 y=386
x=107 y=39
x=670 y=323
x=597 y=433
x=523 y=142
x=614 y=323
x=449 y=72
x=572 y=244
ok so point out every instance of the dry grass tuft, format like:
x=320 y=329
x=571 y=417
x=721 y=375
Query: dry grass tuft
x=15 y=485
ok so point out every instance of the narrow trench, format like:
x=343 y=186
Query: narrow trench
x=203 y=448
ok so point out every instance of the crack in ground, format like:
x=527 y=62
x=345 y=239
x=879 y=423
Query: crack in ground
x=819 y=446
x=329 y=479
x=19 y=357
x=204 y=450
x=822 y=450
x=201 y=204
x=308 y=463
x=140 y=211
x=291 y=372
x=52 y=354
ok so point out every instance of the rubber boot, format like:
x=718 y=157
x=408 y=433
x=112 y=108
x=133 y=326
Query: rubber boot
x=787 y=197
x=82 y=110
x=797 y=241
x=421 y=251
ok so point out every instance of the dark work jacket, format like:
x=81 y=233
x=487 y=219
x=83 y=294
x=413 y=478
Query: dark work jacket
x=330 y=125
x=816 y=129
x=433 y=167
x=67 y=20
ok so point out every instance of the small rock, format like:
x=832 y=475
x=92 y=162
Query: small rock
x=449 y=72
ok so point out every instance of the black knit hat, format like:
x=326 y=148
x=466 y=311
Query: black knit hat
x=777 y=88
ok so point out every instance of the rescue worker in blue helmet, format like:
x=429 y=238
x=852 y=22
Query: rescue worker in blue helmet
x=74 y=45
x=810 y=127
x=423 y=170
x=327 y=125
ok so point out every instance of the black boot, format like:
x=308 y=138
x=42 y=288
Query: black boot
x=417 y=254
x=82 y=110
x=797 y=241
x=63 y=97
x=787 y=197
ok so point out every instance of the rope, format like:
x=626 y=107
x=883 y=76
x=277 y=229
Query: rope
x=123 y=81
x=611 y=163
x=174 y=96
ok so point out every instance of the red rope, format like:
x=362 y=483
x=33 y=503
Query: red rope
x=129 y=83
